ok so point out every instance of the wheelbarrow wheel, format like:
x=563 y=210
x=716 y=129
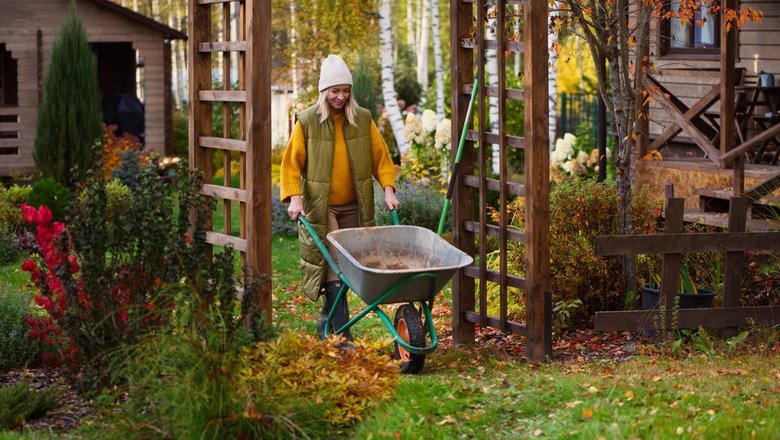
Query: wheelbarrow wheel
x=409 y=326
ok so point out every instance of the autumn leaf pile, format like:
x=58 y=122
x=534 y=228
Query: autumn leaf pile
x=345 y=383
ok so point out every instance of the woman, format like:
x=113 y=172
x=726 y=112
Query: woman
x=326 y=175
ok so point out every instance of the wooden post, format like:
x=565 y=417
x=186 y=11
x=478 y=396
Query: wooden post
x=735 y=261
x=728 y=52
x=670 y=266
x=258 y=150
x=462 y=73
x=537 y=181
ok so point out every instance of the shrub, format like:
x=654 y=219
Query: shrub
x=420 y=206
x=580 y=210
x=365 y=88
x=104 y=283
x=70 y=114
x=10 y=201
x=51 y=193
x=280 y=220
x=19 y=403
x=113 y=148
x=16 y=348
x=10 y=250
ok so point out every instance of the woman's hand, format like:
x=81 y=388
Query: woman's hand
x=390 y=199
x=296 y=207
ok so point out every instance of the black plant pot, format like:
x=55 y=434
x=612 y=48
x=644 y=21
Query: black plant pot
x=702 y=299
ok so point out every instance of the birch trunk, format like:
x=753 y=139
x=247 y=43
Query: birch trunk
x=422 y=48
x=491 y=67
x=552 y=81
x=177 y=102
x=437 y=58
x=294 y=54
x=388 y=88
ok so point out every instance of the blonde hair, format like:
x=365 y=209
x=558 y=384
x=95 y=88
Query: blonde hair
x=323 y=108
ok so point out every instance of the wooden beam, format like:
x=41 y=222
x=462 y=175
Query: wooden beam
x=694 y=112
x=492 y=92
x=686 y=242
x=512 y=141
x=750 y=143
x=512 y=326
x=220 y=239
x=515 y=189
x=636 y=320
x=257 y=159
x=222 y=143
x=687 y=125
x=537 y=181
x=461 y=72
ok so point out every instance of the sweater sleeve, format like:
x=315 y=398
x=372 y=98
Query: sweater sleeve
x=383 y=166
x=293 y=160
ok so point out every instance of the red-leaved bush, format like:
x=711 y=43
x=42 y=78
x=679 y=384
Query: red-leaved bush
x=44 y=267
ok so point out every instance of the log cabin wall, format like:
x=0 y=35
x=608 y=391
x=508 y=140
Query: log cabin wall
x=28 y=29
x=689 y=77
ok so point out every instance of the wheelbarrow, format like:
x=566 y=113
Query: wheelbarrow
x=390 y=265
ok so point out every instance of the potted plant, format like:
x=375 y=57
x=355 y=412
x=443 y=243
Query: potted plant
x=690 y=296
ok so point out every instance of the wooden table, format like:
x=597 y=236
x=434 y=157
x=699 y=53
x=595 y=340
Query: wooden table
x=757 y=112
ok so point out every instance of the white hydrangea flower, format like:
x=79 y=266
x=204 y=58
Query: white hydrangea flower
x=569 y=138
x=429 y=120
x=412 y=127
x=570 y=166
x=443 y=134
x=564 y=147
x=557 y=157
x=582 y=157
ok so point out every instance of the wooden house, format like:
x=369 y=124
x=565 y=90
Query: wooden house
x=133 y=57
x=694 y=68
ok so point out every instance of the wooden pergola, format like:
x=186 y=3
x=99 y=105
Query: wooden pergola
x=252 y=147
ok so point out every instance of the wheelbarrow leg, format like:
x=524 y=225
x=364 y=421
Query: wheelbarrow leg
x=340 y=315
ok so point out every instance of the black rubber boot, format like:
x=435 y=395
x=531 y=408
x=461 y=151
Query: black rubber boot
x=340 y=316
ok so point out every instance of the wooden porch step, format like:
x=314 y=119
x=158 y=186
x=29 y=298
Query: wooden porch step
x=717 y=200
x=721 y=220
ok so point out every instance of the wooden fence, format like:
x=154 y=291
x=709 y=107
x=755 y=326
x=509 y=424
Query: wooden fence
x=672 y=243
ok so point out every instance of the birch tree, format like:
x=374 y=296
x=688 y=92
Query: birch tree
x=491 y=68
x=388 y=90
x=437 y=58
x=552 y=78
x=422 y=47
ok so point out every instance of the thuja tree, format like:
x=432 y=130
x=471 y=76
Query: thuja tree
x=617 y=33
x=69 y=120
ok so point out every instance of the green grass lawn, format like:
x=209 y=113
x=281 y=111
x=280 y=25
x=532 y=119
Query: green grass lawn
x=711 y=389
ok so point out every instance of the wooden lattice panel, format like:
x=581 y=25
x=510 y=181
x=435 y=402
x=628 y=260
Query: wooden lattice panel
x=230 y=124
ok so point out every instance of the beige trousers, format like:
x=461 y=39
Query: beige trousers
x=340 y=217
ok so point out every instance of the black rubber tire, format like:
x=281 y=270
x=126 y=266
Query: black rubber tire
x=409 y=325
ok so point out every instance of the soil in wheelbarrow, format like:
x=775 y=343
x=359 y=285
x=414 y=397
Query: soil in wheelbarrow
x=394 y=262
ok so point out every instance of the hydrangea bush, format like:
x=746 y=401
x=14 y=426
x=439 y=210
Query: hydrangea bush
x=427 y=158
x=574 y=157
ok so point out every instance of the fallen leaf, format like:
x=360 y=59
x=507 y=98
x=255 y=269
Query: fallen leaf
x=587 y=413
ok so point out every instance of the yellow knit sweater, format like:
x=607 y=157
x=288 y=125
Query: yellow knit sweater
x=342 y=189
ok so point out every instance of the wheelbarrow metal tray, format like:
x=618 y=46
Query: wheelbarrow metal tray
x=376 y=259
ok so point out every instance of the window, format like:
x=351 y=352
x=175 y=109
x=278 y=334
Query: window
x=8 y=79
x=700 y=34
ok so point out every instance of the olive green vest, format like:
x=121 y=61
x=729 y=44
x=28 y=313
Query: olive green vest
x=316 y=180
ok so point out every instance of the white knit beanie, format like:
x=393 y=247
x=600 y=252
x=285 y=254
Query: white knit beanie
x=334 y=72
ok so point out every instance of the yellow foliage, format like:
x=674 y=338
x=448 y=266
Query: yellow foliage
x=570 y=73
x=347 y=382
x=653 y=155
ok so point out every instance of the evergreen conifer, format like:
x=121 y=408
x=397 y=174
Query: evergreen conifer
x=70 y=117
